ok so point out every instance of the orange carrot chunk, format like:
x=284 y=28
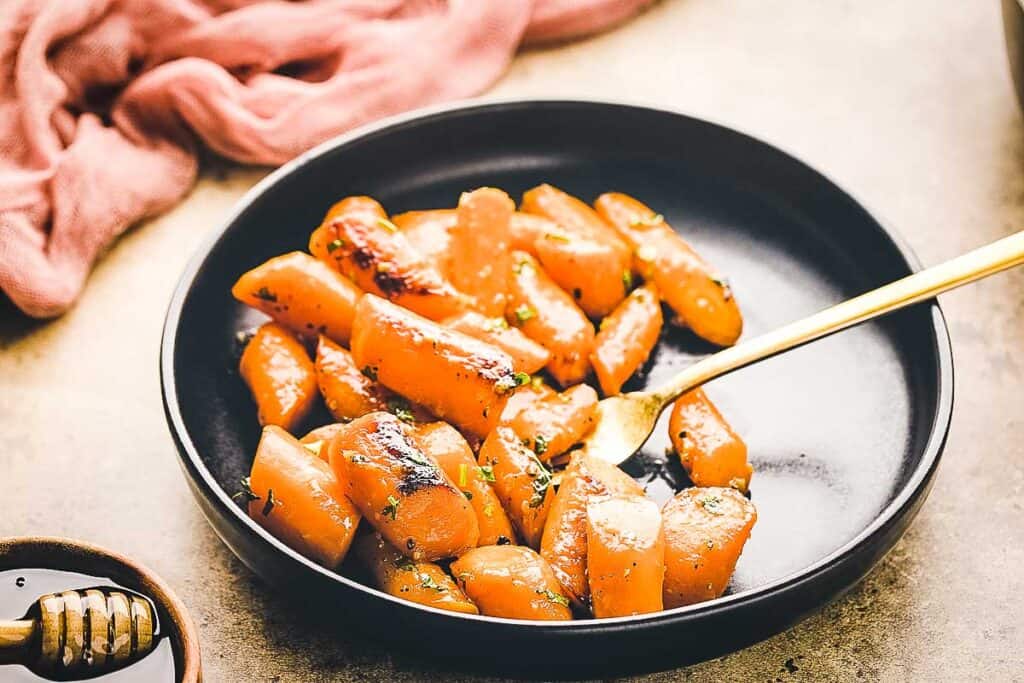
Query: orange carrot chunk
x=444 y=444
x=280 y=376
x=297 y=498
x=323 y=241
x=479 y=247
x=429 y=233
x=548 y=316
x=347 y=392
x=626 y=339
x=527 y=355
x=625 y=556
x=553 y=425
x=402 y=491
x=709 y=450
x=421 y=582
x=303 y=294
x=511 y=581
x=317 y=440
x=521 y=481
x=705 y=530
x=701 y=299
x=460 y=379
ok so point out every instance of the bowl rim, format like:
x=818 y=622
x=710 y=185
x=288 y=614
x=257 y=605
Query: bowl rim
x=916 y=484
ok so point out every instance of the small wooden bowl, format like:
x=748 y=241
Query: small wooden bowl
x=40 y=552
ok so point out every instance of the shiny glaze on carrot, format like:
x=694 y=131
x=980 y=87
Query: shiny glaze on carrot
x=303 y=294
x=321 y=242
x=347 y=392
x=420 y=582
x=552 y=425
x=625 y=556
x=525 y=229
x=626 y=338
x=444 y=444
x=709 y=450
x=511 y=581
x=459 y=379
x=317 y=440
x=429 y=233
x=299 y=499
x=705 y=531
x=480 y=248
x=280 y=376
x=522 y=483
x=401 y=491
x=701 y=299
x=548 y=315
x=527 y=355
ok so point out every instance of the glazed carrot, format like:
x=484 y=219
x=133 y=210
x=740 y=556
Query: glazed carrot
x=421 y=582
x=626 y=338
x=552 y=425
x=429 y=233
x=379 y=259
x=303 y=294
x=479 y=248
x=322 y=241
x=527 y=355
x=525 y=229
x=522 y=483
x=444 y=444
x=316 y=440
x=460 y=379
x=701 y=299
x=401 y=491
x=280 y=376
x=564 y=544
x=511 y=581
x=709 y=450
x=347 y=392
x=705 y=530
x=296 y=497
x=585 y=256
x=625 y=556
x=548 y=316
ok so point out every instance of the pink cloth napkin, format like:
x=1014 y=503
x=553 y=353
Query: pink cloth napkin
x=103 y=102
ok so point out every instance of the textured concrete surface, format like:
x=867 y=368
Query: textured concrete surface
x=907 y=104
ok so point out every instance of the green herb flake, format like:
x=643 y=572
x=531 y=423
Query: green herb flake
x=463 y=474
x=265 y=294
x=335 y=245
x=556 y=237
x=493 y=324
x=400 y=409
x=487 y=473
x=405 y=564
x=524 y=313
x=511 y=382
x=520 y=266
x=540 y=444
x=370 y=372
x=627 y=279
x=537 y=382
x=387 y=225
x=391 y=509
x=246 y=494
x=427 y=581
x=541 y=482
x=270 y=504
x=711 y=503
x=554 y=597
x=648 y=222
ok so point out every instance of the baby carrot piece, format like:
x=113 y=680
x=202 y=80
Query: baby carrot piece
x=316 y=440
x=444 y=444
x=421 y=582
x=479 y=248
x=296 y=497
x=511 y=581
x=303 y=294
x=701 y=299
x=401 y=491
x=553 y=425
x=347 y=392
x=705 y=530
x=626 y=338
x=322 y=241
x=625 y=556
x=379 y=259
x=525 y=229
x=460 y=379
x=280 y=376
x=522 y=483
x=564 y=544
x=429 y=233
x=527 y=355
x=709 y=450
x=548 y=316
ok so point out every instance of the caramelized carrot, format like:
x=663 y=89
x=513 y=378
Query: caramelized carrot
x=421 y=582
x=585 y=256
x=626 y=338
x=548 y=316
x=705 y=530
x=444 y=444
x=460 y=379
x=322 y=241
x=479 y=248
x=380 y=260
x=527 y=355
x=347 y=392
x=401 y=491
x=709 y=450
x=625 y=556
x=552 y=425
x=525 y=229
x=429 y=233
x=701 y=299
x=316 y=440
x=522 y=483
x=511 y=581
x=564 y=544
x=280 y=376
x=303 y=294
x=296 y=497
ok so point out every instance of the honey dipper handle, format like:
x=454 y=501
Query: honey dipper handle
x=17 y=634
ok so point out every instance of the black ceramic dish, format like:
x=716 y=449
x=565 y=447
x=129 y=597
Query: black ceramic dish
x=845 y=434
x=1013 y=28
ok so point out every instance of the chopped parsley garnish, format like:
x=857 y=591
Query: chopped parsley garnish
x=710 y=503
x=537 y=382
x=270 y=504
x=246 y=494
x=387 y=225
x=391 y=509
x=400 y=409
x=554 y=597
x=540 y=444
x=487 y=473
x=405 y=564
x=524 y=313
x=541 y=482
x=556 y=237
x=647 y=222
x=511 y=382
x=493 y=324
x=265 y=294
x=463 y=474
x=370 y=372
x=427 y=581
x=335 y=244
x=520 y=266
x=627 y=279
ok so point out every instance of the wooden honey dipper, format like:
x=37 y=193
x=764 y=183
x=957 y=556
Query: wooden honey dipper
x=80 y=632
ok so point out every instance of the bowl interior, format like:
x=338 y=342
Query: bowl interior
x=835 y=429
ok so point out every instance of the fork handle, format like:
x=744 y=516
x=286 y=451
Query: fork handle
x=969 y=267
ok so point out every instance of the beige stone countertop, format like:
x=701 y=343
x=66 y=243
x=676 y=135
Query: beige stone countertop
x=906 y=104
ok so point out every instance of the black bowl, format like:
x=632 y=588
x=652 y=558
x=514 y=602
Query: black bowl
x=1013 y=29
x=845 y=434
